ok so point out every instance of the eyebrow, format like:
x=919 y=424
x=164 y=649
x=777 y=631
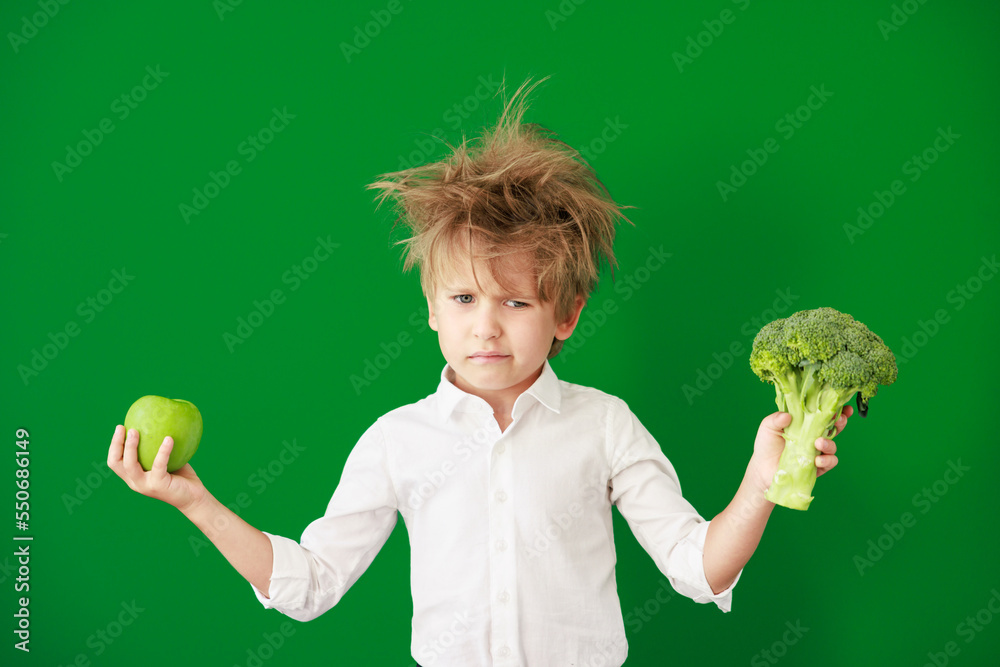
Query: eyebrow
x=464 y=289
x=455 y=289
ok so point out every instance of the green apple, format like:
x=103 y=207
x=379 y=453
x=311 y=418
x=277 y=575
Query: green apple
x=156 y=417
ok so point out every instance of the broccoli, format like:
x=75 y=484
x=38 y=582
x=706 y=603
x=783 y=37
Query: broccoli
x=816 y=360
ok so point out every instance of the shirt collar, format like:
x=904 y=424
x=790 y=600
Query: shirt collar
x=545 y=390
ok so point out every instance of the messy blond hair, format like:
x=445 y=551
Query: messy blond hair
x=516 y=189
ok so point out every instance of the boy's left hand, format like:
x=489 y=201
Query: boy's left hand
x=769 y=444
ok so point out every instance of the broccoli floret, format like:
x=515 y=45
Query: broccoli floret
x=816 y=360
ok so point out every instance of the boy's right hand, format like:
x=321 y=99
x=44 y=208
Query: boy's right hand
x=182 y=488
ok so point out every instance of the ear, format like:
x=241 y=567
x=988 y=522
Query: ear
x=565 y=328
x=431 y=320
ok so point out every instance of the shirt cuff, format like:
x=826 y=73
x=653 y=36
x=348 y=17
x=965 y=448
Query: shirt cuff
x=691 y=574
x=289 y=576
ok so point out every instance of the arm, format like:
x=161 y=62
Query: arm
x=245 y=547
x=734 y=534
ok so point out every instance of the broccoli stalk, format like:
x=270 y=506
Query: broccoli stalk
x=815 y=408
x=816 y=360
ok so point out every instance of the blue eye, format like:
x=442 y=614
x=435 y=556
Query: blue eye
x=463 y=298
x=518 y=305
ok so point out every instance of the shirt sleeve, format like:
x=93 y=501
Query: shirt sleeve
x=647 y=492
x=311 y=576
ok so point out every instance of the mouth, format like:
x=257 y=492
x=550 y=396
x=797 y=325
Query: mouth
x=488 y=357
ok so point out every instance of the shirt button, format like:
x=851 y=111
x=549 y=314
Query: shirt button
x=501 y=447
x=501 y=545
x=504 y=597
x=503 y=652
x=501 y=496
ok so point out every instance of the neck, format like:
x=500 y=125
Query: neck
x=501 y=400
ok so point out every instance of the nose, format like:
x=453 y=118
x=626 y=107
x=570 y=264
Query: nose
x=487 y=323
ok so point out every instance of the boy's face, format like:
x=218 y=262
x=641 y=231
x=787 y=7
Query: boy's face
x=495 y=340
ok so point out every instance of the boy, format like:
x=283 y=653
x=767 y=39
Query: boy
x=509 y=239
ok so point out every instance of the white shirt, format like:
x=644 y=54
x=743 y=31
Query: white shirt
x=512 y=550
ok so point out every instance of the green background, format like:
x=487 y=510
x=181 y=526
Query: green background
x=672 y=131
